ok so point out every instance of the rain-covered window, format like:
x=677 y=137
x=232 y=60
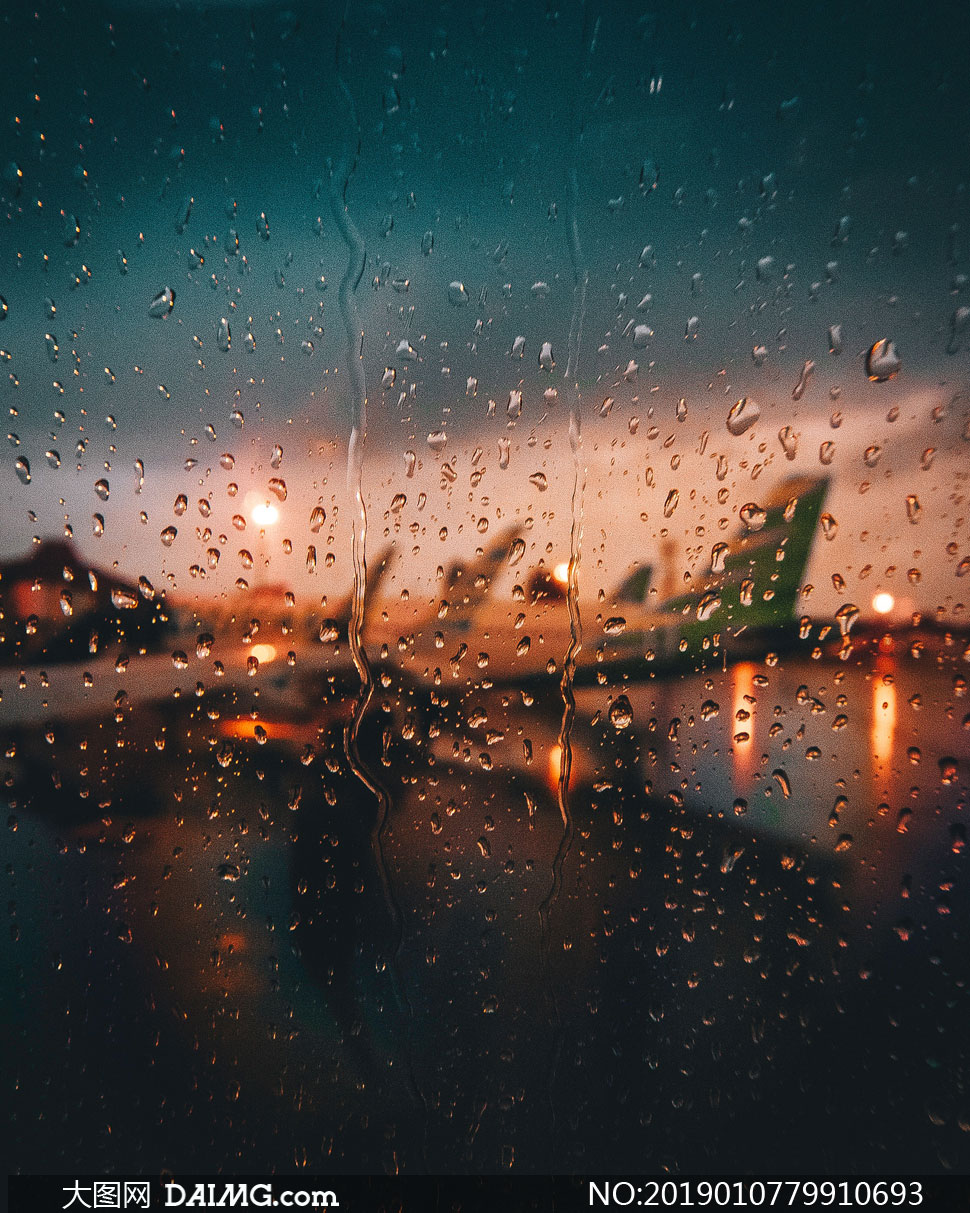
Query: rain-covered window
x=484 y=551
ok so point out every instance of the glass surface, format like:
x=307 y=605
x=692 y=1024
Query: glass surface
x=484 y=555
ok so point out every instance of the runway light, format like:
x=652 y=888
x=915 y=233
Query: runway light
x=561 y=573
x=265 y=514
x=883 y=603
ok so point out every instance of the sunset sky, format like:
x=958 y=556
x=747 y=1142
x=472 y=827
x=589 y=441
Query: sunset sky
x=733 y=192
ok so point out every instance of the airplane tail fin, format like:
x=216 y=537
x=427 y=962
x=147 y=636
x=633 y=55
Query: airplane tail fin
x=636 y=586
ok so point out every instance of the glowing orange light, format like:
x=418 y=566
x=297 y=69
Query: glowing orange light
x=561 y=573
x=883 y=720
x=742 y=717
x=883 y=603
x=264 y=653
x=245 y=728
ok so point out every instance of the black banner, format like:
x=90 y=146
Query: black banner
x=471 y=1194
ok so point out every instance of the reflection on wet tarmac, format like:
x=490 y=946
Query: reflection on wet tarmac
x=755 y=953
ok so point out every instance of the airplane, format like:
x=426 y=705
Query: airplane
x=748 y=593
x=750 y=590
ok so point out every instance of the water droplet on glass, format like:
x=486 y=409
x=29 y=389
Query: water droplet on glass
x=789 y=441
x=670 y=504
x=621 y=713
x=224 y=337
x=729 y=858
x=22 y=468
x=742 y=416
x=162 y=304
x=546 y=360
x=808 y=369
x=846 y=616
x=168 y=536
x=237 y=418
x=753 y=516
x=959 y=322
x=882 y=361
x=457 y=295
x=102 y=489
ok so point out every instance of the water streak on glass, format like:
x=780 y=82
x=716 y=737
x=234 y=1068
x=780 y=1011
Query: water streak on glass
x=340 y=175
x=564 y=747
